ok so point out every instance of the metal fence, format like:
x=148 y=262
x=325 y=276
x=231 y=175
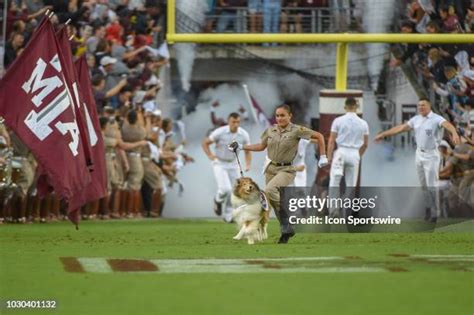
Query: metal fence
x=291 y=20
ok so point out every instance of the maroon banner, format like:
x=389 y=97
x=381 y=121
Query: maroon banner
x=70 y=74
x=98 y=187
x=37 y=106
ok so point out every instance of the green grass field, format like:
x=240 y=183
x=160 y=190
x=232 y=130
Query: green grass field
x=376 y=273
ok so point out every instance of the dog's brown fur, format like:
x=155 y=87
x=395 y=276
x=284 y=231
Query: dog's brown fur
x=247 y=190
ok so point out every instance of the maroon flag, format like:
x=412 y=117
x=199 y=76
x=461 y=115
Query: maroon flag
x=257 y=112
x=36 y=105
x=88 y=135
x=98 y=187
x=70 y=74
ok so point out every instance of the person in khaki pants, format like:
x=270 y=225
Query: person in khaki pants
x=112 y=141
x=281 y=141
x=133 y=131
x=23 y=175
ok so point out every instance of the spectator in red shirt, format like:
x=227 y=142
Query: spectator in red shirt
x=450 y=20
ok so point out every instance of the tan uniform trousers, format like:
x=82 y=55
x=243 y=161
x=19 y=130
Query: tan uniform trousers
x=275 y=178
x=136 y=173
x=114 y=180
x=153 y=174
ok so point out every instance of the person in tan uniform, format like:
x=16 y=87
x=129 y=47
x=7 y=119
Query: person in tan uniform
x=112 y=142
x=134 y=131
x=152 y=185
x=23 y=175
x=4 y=160
x=281 y=141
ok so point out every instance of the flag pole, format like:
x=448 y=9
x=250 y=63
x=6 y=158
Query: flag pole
x=249 y=101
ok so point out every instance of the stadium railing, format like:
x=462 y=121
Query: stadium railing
x=313 y=20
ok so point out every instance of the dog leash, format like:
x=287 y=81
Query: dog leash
x=263 y=198
x=238 y=162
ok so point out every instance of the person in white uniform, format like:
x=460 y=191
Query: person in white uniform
x=351 y=134
x=428 y=128
x=301 y=175
x=224 y=162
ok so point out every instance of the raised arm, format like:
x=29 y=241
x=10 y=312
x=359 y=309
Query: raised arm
x=452 y=130
x=130 y=145
x=392 y=131
x=257 y=147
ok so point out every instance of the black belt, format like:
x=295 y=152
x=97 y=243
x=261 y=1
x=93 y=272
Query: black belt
x=281 y=164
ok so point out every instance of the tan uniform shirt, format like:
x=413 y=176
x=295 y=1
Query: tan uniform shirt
x=133 y=133
x=110 y=144
x=282 y=146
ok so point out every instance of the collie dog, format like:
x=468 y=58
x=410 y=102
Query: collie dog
x=250 y=212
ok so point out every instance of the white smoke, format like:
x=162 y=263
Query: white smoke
x=185 y=55
x=378 y=17
x=186 y=52
x=291 y=87
x=198 y=178
x=265 y=93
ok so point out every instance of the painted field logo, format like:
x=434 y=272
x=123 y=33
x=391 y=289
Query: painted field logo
x=329 y=264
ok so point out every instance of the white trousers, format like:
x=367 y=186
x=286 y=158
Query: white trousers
x=226 y=173
x=345 y=163
x=427 y=168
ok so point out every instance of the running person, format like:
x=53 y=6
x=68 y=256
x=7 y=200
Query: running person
x=351 y=134
x=224 y=163
x=281 y=141
x=428 y=134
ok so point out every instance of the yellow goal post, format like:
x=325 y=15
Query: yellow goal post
x=342 y=40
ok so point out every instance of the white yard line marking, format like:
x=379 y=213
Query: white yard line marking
x=453 y=258
x=251 y=265
x=297 y=258
x=96 y=265
x=443 y=256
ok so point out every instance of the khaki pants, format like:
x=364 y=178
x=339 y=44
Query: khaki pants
x=153 y=175
x=136 y=173
x=113 y=177
x=277 y=177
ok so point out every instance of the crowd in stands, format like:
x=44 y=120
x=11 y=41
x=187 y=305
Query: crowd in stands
x=447 y=71
x=123 y=43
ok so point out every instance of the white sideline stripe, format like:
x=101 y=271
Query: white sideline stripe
x=96 y=265
x=296 y=258
x=230 y=261
x=443 y=256
x=100 y=265
x=451 y=259
x=241 y=267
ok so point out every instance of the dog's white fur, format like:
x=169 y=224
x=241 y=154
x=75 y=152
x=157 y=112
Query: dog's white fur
x=251 y=218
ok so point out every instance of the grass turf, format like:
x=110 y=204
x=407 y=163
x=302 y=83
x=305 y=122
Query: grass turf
x=30 y=269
